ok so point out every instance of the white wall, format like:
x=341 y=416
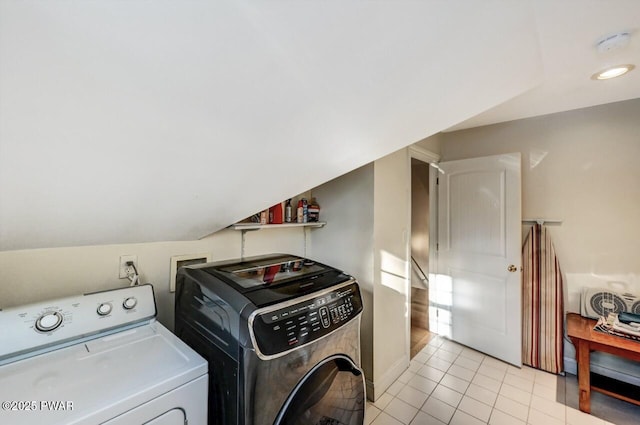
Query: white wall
x=35 y=275
x=580 y=167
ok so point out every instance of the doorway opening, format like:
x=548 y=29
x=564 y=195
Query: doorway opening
x=420 y=334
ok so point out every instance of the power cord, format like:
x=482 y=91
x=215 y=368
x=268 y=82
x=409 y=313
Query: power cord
x=132 y=273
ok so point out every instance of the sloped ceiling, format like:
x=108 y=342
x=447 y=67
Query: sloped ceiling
x=139 y=121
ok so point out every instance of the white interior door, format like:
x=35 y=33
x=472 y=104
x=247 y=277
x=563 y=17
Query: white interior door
x=479 y=253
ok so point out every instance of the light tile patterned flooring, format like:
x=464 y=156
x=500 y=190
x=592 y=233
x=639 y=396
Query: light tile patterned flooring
x=447 y=383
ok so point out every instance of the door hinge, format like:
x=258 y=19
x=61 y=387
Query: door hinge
x=437 y=181
x=437 y=246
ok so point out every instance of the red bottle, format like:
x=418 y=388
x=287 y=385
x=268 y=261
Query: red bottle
x=276 y=214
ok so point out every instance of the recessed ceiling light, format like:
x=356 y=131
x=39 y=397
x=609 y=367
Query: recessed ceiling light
x=612 y=72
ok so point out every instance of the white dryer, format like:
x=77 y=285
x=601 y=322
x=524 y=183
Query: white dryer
x=98 y=358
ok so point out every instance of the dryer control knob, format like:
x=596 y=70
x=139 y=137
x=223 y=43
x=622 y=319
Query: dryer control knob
x=104 y=309
x=129 y=303
x=48 y=321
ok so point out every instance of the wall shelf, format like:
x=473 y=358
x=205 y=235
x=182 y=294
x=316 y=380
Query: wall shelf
x=257 y=226
x=244 y=227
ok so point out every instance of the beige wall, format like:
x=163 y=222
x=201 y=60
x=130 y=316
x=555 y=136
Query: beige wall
x=391 y=254
x=432 y=143
x=346 y=242
x=367 y=235
x=580 y=167
x=35 y=275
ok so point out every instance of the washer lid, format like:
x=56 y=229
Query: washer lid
x=100 y=379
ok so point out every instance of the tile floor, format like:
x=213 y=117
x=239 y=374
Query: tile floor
x=447 y=383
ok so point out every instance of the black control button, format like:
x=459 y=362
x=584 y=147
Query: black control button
x=324 y=317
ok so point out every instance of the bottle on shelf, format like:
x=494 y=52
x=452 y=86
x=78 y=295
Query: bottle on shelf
x=287 y=211
x=303 y=212
x=276 y=215
x=314 y=211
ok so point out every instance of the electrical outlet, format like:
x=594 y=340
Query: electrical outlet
x=124 y=269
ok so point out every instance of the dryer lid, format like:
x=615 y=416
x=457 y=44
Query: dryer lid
x=271 y=270
x=273 y=278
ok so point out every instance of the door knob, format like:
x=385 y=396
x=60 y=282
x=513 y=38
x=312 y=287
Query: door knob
x=512 y=268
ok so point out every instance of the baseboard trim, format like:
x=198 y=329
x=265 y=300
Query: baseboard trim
x=376 y=388
x=571 y=366
x=369 y=389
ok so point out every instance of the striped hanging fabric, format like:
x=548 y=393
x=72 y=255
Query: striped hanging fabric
x=542 y=303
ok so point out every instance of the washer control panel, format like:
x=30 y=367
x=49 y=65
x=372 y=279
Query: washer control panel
x=49 y=321
x=36 y=326
x=283 y=327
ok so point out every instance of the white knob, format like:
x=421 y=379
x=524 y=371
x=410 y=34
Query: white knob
x=129 y=303
x=104 y=309
x=49 y=321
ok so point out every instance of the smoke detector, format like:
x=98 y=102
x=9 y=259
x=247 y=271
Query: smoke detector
x=608 y=44
x=613 y=42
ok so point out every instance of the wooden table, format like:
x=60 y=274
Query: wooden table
x=586 y=340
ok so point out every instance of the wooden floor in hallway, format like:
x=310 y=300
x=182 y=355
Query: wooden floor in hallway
x=420 y=337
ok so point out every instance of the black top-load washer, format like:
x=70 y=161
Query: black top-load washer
x=281 y=334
